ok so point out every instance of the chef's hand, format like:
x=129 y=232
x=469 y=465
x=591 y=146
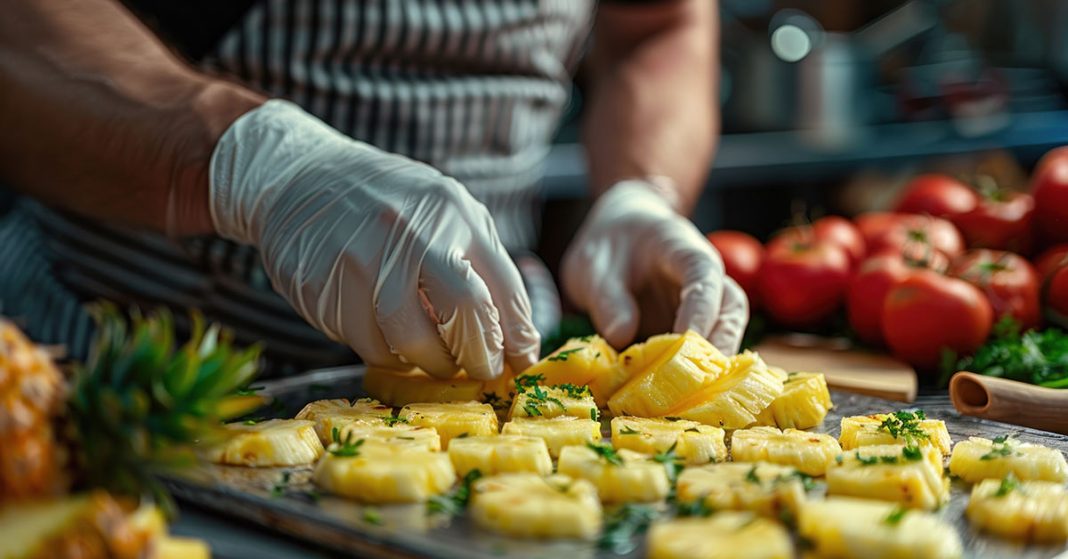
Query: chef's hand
x=376 y=250
x=635 y=260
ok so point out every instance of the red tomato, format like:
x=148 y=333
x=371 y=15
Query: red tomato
x=900 y=232
x=1049 y=186
x=929 y=312
x=802 y=284
x=937 y=195
x=1048 y=262
x=832 y=229
x=742 y=255
x=1056 y=297
x=875 y=277
x=1003 y=221
x=1008 y=281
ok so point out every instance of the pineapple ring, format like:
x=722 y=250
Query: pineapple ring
x=850 y=528
x=628 y=477
x=694 y=442
x=383 y=473
x=500 y=454
x=811 y=453
x=1024 y=510
x=272 y=443
x=531 y=506
x=725 y=535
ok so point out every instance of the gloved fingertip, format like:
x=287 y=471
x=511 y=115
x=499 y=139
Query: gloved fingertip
x=522 y=361
x=621 y=330
x=487 y=369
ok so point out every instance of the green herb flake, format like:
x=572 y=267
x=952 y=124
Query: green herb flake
x=593 y=414
x=912 y=453
x=905 y=425
x=523 y=382
x=606 y=453
x=895 y=516
x=563 y=355
x=1008 y=485
x=391 y=421
x=372 y=516
x=623 y=525
x=279 y=489
x=455 y=501
x=346 y=448
x=751 y=475
x=1002 y=446
x=695 y=508
x=866 y=460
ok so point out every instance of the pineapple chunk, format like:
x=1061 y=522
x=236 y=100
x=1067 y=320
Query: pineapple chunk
x=396 y=432
x=865 y=430
x=977 y=459
x=735 y=399
x=527 y=505
x=687 y=365
x=375 y=472
x=912 y=476
x=641 y=356
x=620 y=477
x=554 y=401
x=847 y=528
x=452 y=419
x=579 y=361
x=500 y=454
x=726 y=535
x=694 y=442
x=400 y=388
x=607 y=383
x=331 y=414
x=1023 y=510
x=803 y=404
x=276 y=442
x=810 y=453
x=499 y=391
x=766 y=489
x=172 y=547
x=557 y=432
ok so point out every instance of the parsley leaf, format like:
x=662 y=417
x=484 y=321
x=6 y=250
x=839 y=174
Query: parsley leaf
x=866 y=460
x=606 y=452
x=391 y=421
x=456 y=501
x=905 y=425
x=1008 y=485
x=912 y=453
x=1037 y=357
x=523 y=382
x=372 y=516
x=279 y=488
x=895 y=516
x=1003 y=445
x=344 y=448
x=563 y=355
x=622 y=524
x=751 y=475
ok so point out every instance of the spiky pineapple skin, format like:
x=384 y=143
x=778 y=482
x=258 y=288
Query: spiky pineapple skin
x=557 y=432
x=736 y=398
x=849 y=528
x=1028 y=462
x=863 y=430
x=767 y=489
x=638 y=479
x=383 y=473
x=694 y=442
x=499 y=454
x=687 y=364
x=452 y=419
x=810 y=453
x=1032 y=511
x=527 y=505
x=272 y=443
x=803 y=404
x=913 y=483
x=725 y=535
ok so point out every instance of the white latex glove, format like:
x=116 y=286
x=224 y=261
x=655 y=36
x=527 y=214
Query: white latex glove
x=376 y=250
x=636 y=260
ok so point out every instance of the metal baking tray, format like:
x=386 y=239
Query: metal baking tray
x=283 y=499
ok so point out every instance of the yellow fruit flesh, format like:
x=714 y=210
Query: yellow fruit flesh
x=848 y=528
x=500 y=454
x=383 y=473
x=171 y=547
x=864 y=430
x=276 y=442
x=886 y=473
x=810 y=453
x=557 y=432
x=335 y=414
x=1034 y=511
x=532 y=506
x=453 y=419
x=88 y=526
x=725 y=535
x=548 y=402
x=767 y=489
x=734 y=400
x=400 y=434
x=803 y=403
x=578 y=362
x=694 y=442
x=687 y=365
x=637 y=478
x=400 y=388
x=977 y=459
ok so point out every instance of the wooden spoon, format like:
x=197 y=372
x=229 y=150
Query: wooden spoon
x=1010 y=401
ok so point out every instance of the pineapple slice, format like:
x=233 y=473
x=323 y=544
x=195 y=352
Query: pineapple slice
x=847 y=528
x=376 y=472
x=554 y=401
x=641 y=356
x=392 y=430
x=579 y=362
x=766 y=489
x=810 y=453
x=452 y=419
x=894 y=428
x=620 y=476
x=331 y=414
x=735 y=399
x=977 y=459
x=400 y=388
x=557 y=432
x=912 y=476
x=726 y=535
x=276 y=442
x=688 y=364
x=1023 y=510
x=803 y=404
x=173 y=547
x=527 y=505
x=500 y=454
x=694 y=442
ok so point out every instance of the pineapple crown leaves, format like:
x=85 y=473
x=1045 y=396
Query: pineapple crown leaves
x=140 y=401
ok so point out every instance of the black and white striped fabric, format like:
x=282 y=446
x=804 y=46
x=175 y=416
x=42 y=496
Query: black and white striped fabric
x=472 y=87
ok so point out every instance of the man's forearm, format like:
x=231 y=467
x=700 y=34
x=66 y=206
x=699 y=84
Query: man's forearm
x=653 y=108
x=98 y=117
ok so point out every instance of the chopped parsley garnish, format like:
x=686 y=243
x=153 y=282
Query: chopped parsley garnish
x=1008 y=485
x=671 y=461
x=1003 y=445
x=626 y=430
x=523 y=382
x=456 y=501
x=372 y=516
x=390 y=421
x=866 y=460
x=888 y=459
x=538 y=397
x=912 y=453
x=593 y=414
x=905 y=425
x=606 y=452
x=806 y=480
x=623 y=524
x=563 y=355
x=695 y=508
x=574 y=391
x=751 y=475
x=345 y=448
x=279 y=488
x=895 y=516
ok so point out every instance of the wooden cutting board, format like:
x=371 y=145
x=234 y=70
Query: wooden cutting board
x=846 y=368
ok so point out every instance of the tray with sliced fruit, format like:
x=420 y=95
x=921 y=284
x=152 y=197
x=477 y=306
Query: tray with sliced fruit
x=669 y=449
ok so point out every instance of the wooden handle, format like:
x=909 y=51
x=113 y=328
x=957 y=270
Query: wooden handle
x=1010 y=401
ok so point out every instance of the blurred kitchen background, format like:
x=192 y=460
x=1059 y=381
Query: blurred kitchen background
x=829 y=106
